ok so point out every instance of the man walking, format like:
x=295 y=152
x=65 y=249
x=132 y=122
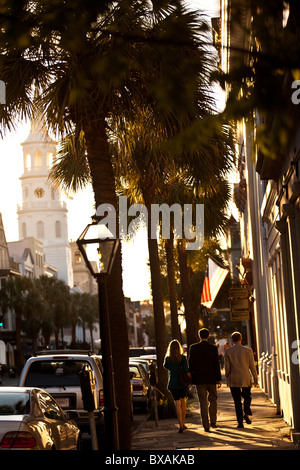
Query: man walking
x=205 y=370
x=239 y=362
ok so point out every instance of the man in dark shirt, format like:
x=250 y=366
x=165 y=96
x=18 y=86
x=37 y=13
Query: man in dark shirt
x=205 y=370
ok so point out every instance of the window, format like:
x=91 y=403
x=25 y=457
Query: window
x=27 y=162
x=24 y=230
x=77 y=257
x=134 y=370
x=14 y=403
x=54 y=373
x=49 y=407
x=57 y=229
x=38 y=160
x=40 y=229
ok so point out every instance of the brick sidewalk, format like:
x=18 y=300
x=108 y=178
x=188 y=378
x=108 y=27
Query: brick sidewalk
x=268 y=431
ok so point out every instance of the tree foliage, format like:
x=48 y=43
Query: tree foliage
x=263 y=67
x=43 y=307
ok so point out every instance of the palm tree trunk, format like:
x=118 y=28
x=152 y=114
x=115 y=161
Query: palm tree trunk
x=104 y=189
x=169 y=247
x=157 y=295
x=83 y=332
x=56 y=336
x=19 y=352
x=190 y=308
x=92 y=338
x=73 y=333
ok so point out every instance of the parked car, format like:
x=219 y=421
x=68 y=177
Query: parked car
x=136 y=352
x=30 y=418
x=141 y=385
x=145 y=362
x=150 y=349
x=58 y=373
x=131 y=389
x=148 y=357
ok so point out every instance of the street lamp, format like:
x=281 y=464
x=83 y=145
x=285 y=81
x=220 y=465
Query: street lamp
x=98 y=247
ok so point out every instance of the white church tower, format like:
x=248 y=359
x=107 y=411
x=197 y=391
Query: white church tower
x=43 y=215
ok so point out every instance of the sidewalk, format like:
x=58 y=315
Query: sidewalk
x=268 y=431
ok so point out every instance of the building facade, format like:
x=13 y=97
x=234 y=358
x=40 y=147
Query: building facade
x=28 y=253
x=267 y=197
x=82 y=276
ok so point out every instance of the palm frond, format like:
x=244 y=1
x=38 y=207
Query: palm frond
x=71 y=170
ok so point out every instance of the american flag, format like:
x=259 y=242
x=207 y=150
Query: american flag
x=214 y=278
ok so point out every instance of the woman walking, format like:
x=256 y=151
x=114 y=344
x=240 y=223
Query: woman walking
x=174 y=359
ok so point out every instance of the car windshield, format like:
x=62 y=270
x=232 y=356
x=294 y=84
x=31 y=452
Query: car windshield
x=135 y=352
x=51 y=373
x=14 y=403
x=134 y=370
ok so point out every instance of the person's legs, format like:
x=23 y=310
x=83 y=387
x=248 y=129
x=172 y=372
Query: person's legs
x=246 y=394
x=202 y=395
x=212 y=398
x=179 y=414
x=236 y=395
x=183 y=411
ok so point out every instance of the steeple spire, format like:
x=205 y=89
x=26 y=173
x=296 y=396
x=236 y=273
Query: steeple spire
x=38 y=131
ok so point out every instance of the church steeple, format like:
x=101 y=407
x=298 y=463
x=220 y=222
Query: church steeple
x=43 y=214
x=38 y=131
x=38 y=148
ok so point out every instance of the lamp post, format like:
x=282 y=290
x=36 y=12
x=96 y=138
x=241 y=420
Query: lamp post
x=98 y=247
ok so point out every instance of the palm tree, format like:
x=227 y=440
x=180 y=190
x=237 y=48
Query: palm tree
x=13 y=297
x=35 y=309
x=88 y=67
x=56 y=295
x=72 y=67
x=74 y=315
x=88 y=313
x=89 y=94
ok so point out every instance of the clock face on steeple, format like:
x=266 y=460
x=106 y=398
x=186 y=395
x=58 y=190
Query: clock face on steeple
x=39 y=192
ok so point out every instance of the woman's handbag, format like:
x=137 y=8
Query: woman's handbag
x=184 y=378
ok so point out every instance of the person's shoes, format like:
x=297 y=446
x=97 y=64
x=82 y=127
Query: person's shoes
x=184 y=427
x=206 y=429
x=240 y=426
x=247 y=419
x=213 y=425
x=180 y=430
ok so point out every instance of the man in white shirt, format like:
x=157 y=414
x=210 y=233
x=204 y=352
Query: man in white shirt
x=239 y=362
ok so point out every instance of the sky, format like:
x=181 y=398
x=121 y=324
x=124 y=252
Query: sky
x=80 y=209
x=136 y=277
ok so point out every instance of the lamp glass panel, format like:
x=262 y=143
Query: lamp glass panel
x=98 y=231
x=105 y=251
x=99 y=254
